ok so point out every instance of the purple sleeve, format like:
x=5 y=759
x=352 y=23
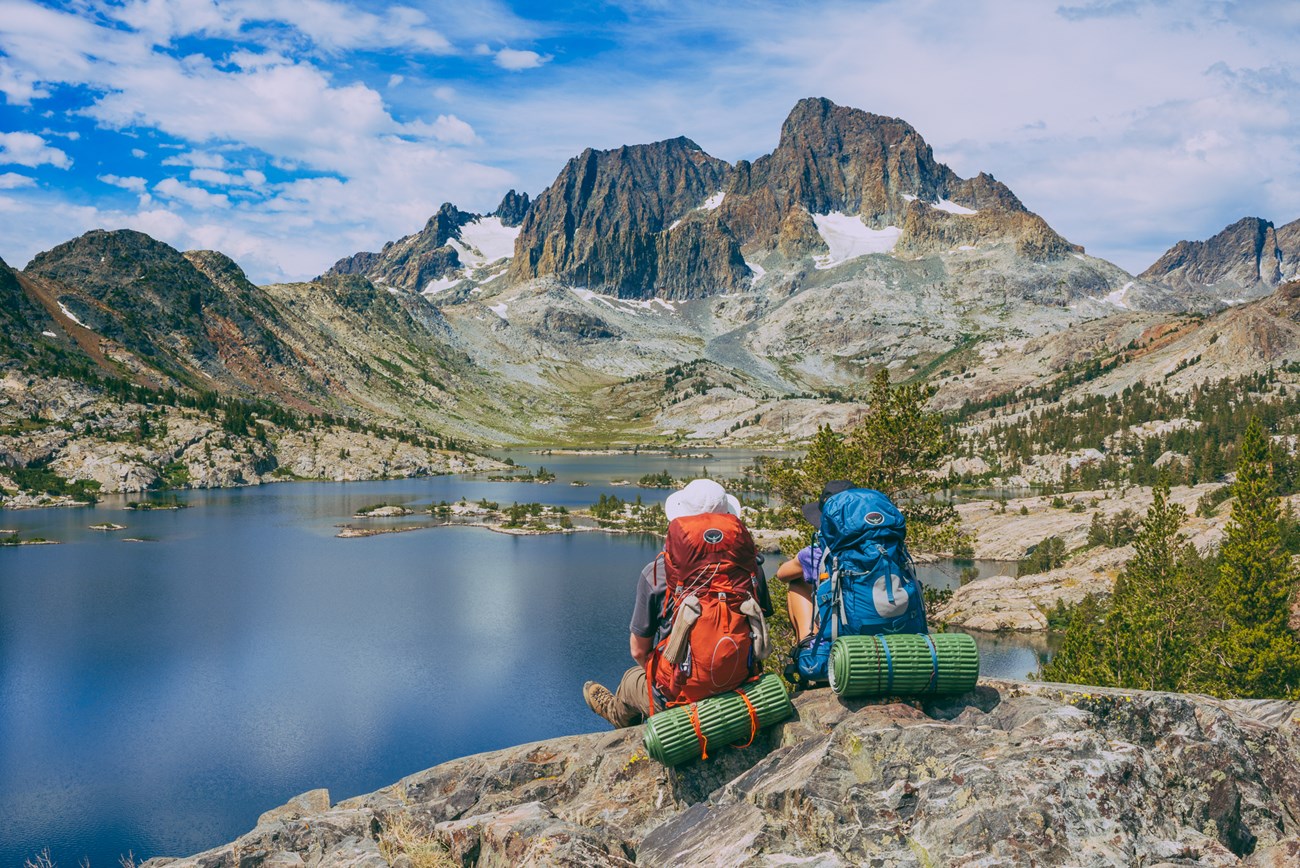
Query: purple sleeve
x=805 y=559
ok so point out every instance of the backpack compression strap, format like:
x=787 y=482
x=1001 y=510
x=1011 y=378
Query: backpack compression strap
x=652 y=657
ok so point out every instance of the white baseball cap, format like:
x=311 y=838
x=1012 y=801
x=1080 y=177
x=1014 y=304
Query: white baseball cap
x=700 y=496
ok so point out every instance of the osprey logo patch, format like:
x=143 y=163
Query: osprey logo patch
x=875 y=518
x=713 y=536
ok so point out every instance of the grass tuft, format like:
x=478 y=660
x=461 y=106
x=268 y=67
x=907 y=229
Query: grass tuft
x=402 y=836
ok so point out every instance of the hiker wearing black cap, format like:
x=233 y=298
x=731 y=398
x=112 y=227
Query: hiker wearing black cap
x=803 y=571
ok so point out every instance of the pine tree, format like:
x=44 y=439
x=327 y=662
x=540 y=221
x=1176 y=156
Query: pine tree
x=894 y=447
x=1153 y=621
x=1254 y=653
x=1144 y=637
x=1079 y=659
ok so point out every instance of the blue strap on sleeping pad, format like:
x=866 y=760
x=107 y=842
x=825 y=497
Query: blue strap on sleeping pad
x=934 y=664
x=889 y=665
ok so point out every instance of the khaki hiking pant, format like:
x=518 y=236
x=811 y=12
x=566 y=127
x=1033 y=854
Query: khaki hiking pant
x=631 y=701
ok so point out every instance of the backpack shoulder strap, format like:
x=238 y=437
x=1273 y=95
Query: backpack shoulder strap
x=661 y=561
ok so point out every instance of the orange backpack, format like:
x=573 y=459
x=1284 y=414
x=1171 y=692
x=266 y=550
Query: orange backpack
x=712 y=558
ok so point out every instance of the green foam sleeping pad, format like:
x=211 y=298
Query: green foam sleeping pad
x=904 y=664
x=670 y=735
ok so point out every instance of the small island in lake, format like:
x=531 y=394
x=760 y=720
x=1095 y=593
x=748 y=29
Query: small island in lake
x=383 y=510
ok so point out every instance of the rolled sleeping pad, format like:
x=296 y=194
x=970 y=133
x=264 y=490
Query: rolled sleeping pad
x=670 y=736
x=904 y=664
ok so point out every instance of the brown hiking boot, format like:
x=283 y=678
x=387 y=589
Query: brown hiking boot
x=601 y=701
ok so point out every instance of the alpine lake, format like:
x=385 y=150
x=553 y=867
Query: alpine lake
x=164 y=684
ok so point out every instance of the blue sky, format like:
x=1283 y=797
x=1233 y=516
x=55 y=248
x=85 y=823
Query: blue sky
x=290 y=133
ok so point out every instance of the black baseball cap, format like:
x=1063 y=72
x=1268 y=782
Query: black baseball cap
x=812 y=512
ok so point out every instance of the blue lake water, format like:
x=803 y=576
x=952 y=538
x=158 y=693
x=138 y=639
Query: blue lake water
x=156 y=697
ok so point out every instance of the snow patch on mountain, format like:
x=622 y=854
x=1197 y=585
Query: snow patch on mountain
x=710 y=204
x=483 y=241
x=953 y=207
x=626 y=305
x=848 y=238
x=70 y=315
x=943 y=205
x=1117 y=297
x=447 y=281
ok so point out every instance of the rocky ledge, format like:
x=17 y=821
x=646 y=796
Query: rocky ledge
x=1013 y=773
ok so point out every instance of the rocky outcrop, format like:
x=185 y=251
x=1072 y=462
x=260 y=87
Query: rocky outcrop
x=598 y=225
x=1288 y=242
x=136 y=291
x=1244 y=260
x=831 y=158
x=20 y=319
x=195 y=319
x=413 y=261
x=189 y=449
x=557 y=322
x=513 y=208
x=929 y=230
x=1010 y=774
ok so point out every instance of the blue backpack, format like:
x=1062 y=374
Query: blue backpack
x=867 y=585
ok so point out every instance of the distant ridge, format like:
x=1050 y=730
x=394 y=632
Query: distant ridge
x=668 y=220
x=1248 y=259
x=413 y=262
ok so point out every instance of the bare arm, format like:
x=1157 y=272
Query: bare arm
x=790 y=571
x=640 y=647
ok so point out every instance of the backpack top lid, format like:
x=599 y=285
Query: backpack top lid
x=699 y=546
x=858 y=514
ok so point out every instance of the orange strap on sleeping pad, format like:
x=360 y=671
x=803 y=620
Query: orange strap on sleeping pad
x=699 y=733
x=753 y=720
x=650 y=681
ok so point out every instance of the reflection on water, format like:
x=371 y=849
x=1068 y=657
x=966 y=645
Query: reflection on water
x=1013 y=655
x=156 y=697
x=947 y=574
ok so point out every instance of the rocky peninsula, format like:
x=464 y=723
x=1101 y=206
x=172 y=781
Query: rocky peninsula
x=1005 y=531
x=1013 y=773
x=61 y=444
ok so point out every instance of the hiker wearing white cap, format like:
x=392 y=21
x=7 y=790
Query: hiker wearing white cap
x=630 y=702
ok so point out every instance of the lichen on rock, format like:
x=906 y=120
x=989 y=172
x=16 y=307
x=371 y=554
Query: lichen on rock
x=1013 y=773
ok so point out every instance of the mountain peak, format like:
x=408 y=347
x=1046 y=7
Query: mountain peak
x=1246 y=259
x=597 y=224
x=512 y=209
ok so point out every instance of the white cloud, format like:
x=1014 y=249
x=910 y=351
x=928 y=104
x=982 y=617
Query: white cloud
x=137 y=185
x=331 y=26
x=29 y=149
x=515 y=60
x=12 y=181
x=447 y=128
x=18 y=86
x=194 y=197
x=212 y=177
x=198 y=159
x=139 y=154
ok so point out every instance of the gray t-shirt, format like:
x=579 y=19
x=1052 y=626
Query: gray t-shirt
x=647 y=615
